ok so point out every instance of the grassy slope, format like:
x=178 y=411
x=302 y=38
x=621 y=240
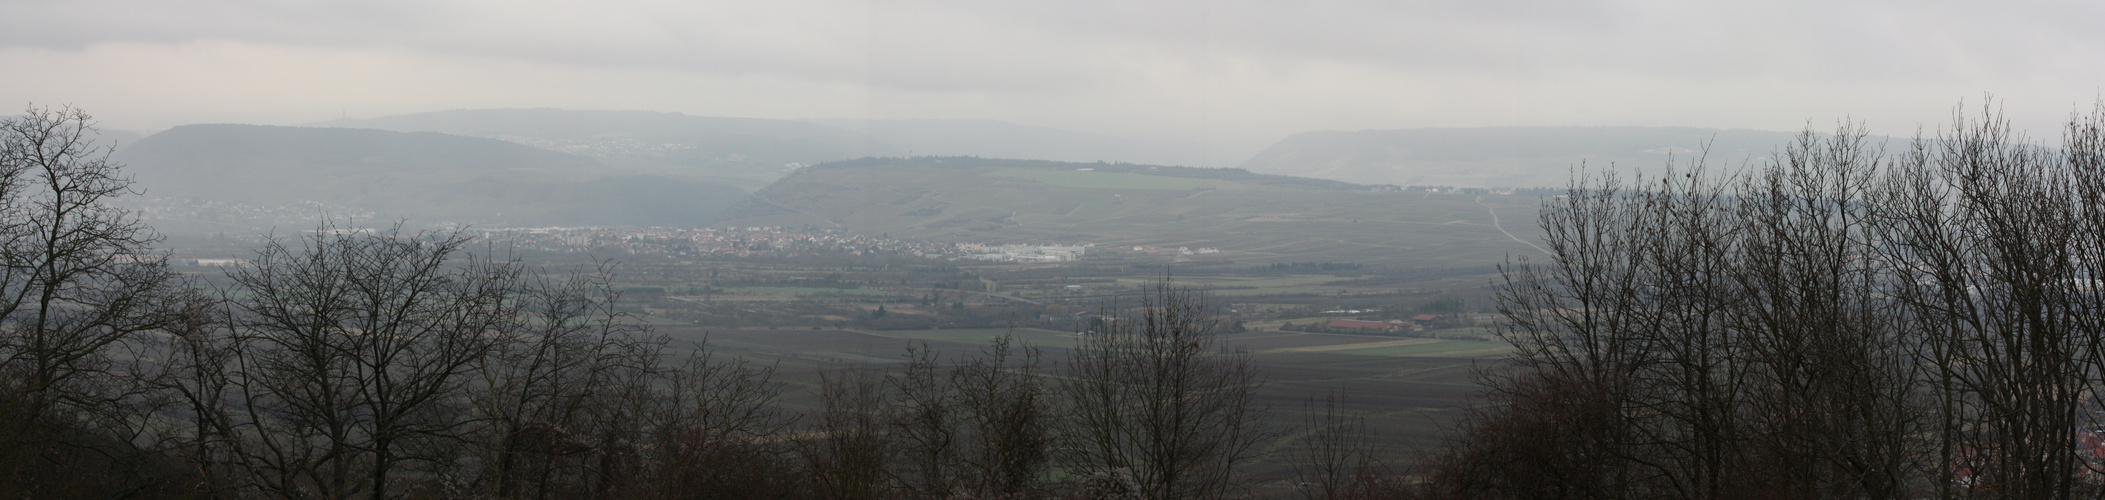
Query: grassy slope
x=1253 y=218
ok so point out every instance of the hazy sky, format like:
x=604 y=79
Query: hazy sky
x=1224 y=71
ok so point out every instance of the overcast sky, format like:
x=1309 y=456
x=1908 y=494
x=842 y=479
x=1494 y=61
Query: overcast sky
x=1232 y=72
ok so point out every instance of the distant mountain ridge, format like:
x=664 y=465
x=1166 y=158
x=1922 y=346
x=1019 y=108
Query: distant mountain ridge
x=751 y=152
x=426 y=177
x=708 y=136
x=999 y=139
x=747 y=152
x=1501 y=156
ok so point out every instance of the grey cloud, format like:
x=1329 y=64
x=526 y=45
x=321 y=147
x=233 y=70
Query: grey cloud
x=1238 y=67
x=1013 y=46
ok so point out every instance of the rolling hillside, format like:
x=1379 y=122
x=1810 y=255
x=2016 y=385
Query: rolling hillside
x=220 y=177
x=751 y=152
x=1500 y=156
x=1249 y=217
x=747 y=152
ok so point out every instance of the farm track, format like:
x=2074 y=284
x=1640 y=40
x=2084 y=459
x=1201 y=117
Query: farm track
x=1502 y=228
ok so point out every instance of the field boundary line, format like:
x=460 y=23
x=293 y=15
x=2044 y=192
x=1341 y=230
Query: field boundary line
x=1362 y=345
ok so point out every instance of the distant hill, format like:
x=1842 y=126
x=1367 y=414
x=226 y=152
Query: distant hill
x=117 y=138
x=243 y=176
x=1500 y=156
x=998 y=139
x=749 y=152
x=1249 y=217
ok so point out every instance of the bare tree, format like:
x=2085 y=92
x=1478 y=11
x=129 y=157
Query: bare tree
x=183 y=406
x=1152 y=393
x=1338 y=459
x=364 y=363
x=1581 y=340
x=847 y=444
x=1832 y=404
x=1994 y=258
x=718 y=432
x=1696 y=384
x=1705 y=338
x=975 y=426
x=78 y=282
x=1539 y=436
x=926 y=424
x=1008 y=421
x=1837 y=323
x=566 y=371
x=351 y=353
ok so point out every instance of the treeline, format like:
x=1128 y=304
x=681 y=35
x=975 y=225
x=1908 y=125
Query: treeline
x=389 y=365
x=1841 y=322
x=383 y=364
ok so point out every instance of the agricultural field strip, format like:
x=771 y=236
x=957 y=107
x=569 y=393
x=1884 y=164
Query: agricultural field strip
x=1445 y=349
x=1256 y=282
x=896 y=289
x=1412 y=376
x=1362 y=345
x=1474 y=352
x=792 y=290
x=1245 y=339
x=977 y=336
x=1304 y=290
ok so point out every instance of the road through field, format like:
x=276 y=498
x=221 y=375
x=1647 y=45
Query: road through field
x=1502 y=229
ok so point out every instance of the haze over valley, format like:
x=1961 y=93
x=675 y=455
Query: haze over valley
x=1101 y=250
x=547 y=167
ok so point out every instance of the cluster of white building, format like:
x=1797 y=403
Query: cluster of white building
x=1022 y=253
x=686 y=241
x=1180 y=250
